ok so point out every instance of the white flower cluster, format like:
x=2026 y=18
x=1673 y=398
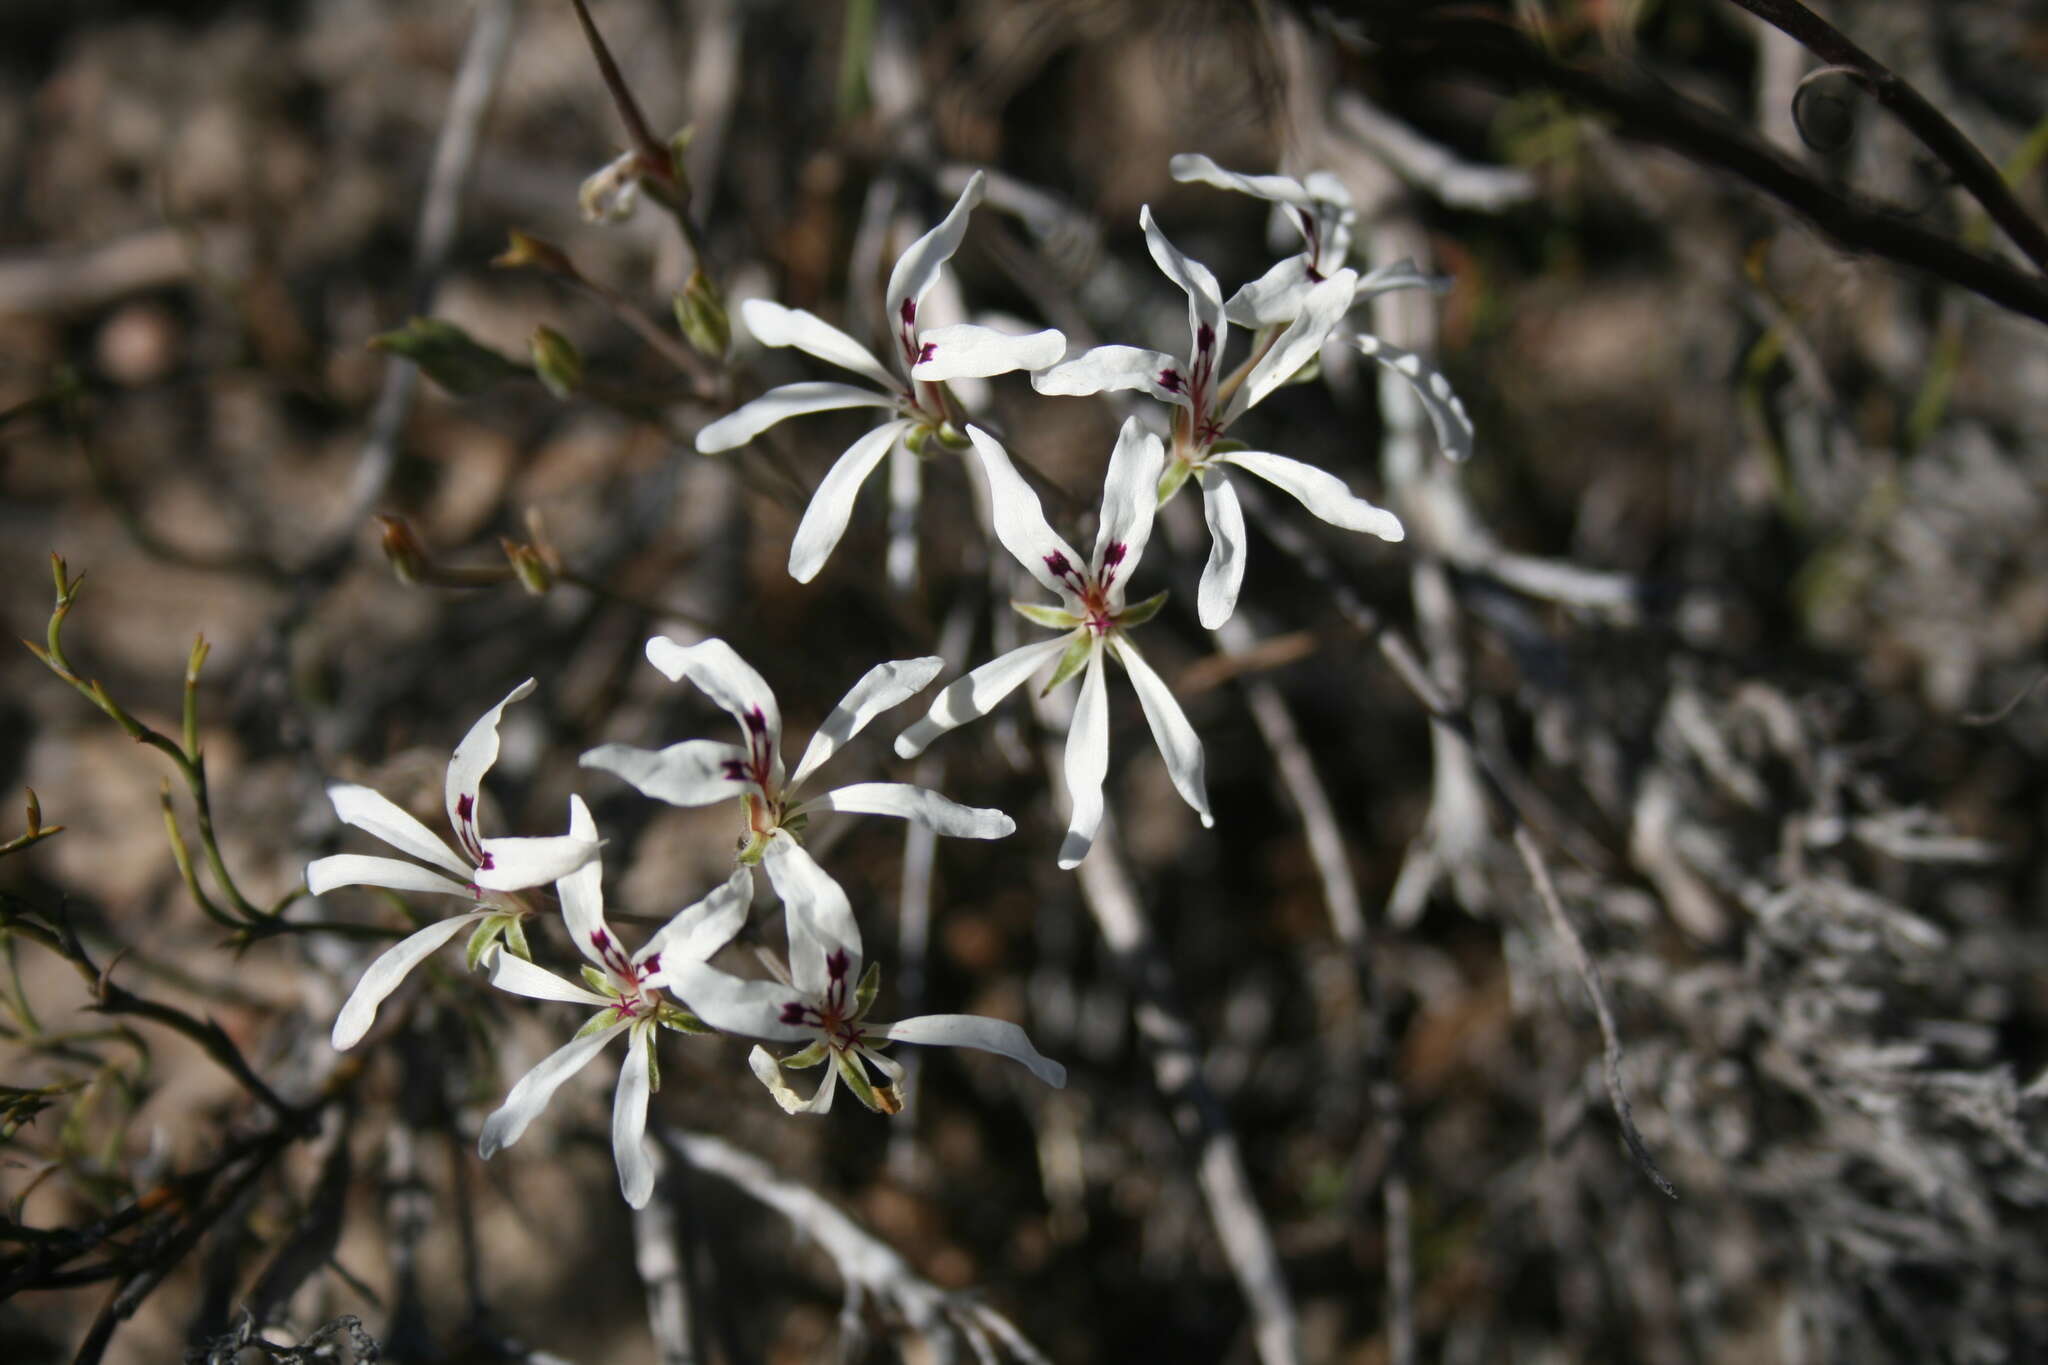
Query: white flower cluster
x=820 y=1000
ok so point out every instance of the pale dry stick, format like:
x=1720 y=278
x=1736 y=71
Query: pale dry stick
x=476 y=81
x=870 y=1266
x=661 y=1268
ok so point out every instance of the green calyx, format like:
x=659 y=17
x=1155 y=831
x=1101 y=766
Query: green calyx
x=1071 y=662
x=1055 y=618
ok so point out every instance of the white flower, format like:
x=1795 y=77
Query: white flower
x=1206 y=405
x=925 y=357
x=701 y=772
x=626 y=992
x=1094 y=617
x=484 y=871
x=825 y=1000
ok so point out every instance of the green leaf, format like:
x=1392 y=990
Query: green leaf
x=448 y=355
x=1071 y=662
x=1057 y=618
x=1138 y=613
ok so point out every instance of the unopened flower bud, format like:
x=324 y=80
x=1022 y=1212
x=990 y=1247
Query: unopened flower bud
x=522 y=250
x=557 y=361
x=700 y=312
x=529 y=566
x=610 y=194
x=409 y=558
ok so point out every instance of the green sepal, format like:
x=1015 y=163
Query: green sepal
x=1309 y=373
x=1077 y=656
x=952 y=438
x=1229 y=445
x=808 y=1057
x=598 y=981
x=556 y=360
x=481 y=940
x=700 y=312
x=448 y=355
x=855 y=1073
x=598 y=1023
x=795 y=825
x=515 y=937
x=864 y=993
x=653 y=1069
x=918 y=441
x=681 y=1020
x=1039 y=614
x=1170 y=482
x=1138 y=613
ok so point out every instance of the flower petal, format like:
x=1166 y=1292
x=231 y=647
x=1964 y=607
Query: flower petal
x=1087 y=762
x=768 y=1072
x=722 y=675
x=1192 y=167
x=629 y=1120
x=692 y=773
x=999 y=1036
x=919 y=266
x=1130 y=497
x=919 y=806
x=749 y=420
x=1177 y=741
x=699 y=930
x=1107 y=369
x=538 y=1086
x=774 y=325
x=881 y=687
x=1274 y=297
x=515 y=864
x=1432 y=390
x=825 y=518
x=1205 y=299
x=967 y=351
x=390 y=968
x=472 y=759
x=1223 y=575
x=582 y=891
x=1394 y=276
x=520 y=977
x=822 y=933
x=731 y=1004
x=356 y=869
x=1021 y=524
x=976 y=694
x=1320 y=491
x=1322 y=309
x=375 y=813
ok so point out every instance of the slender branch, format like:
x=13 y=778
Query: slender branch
x=1972 y=169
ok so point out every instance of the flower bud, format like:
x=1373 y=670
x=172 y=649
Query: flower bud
x=529 y=566
x=447 y=355
x=557 y=361
x=409 y=559
x=524 y=251
x=700 y=312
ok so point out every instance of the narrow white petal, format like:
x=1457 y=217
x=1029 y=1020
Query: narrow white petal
x=774 y=325
x=769 y=1073
x=1191 y=167
x=629 y=1121
x=515 y=864
x=1322 y=309
x=382 y=976
x=1394 y=276
x=1177 y=741
x=692 y=773
x=699 y=930
x=582 y=891
x=1130 y=497
x=880 y=688
x=722 y=675
x=831 y=507
x=472 y=759
x=537 y=1087
x=749 y=420
x=1274 y=297
x=520 y=977
x=919 y=806
x=1223 y=575
x=751 y=1009
x=374 y=813
x=822 y=931
x=966 y=351
x=1432 y=390
x=1205 y=300
x=1110 y=369
x=1087 y=763
x=357 y=869
x=975 y=695
x=999 y=1036
x=1320 y=491
x=1020 y=522
x=919 y=266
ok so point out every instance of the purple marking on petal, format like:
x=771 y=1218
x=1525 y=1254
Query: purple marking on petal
x=735 y=771
x=909 y=311
x=836 y=963
x=1315 y=276
x=793 y=1012
x=756 y=720
x=926 y=351
x=1171 y=381
x=1205 y=338
x=651 y=965
x=1058 y=565
x=600 y=940
x=486 y=864
x=1115 y=553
